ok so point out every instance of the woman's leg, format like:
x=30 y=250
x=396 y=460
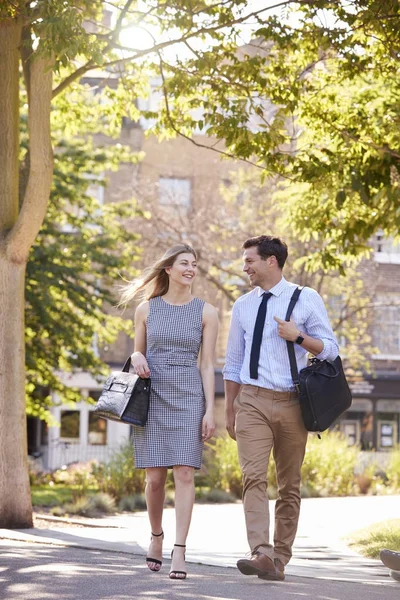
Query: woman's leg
x=184 y=500
x=155 y=493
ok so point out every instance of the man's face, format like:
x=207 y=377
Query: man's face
x=255 y=267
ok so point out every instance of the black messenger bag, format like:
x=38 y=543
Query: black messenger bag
x=323 y=391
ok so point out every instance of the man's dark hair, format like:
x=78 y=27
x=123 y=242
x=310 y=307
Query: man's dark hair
x=269 y=246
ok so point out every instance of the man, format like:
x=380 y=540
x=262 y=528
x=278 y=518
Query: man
x=262 y=408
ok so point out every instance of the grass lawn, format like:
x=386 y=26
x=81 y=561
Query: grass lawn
x=372 y=539
x=53 y=495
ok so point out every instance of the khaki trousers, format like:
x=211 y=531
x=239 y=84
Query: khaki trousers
x=265 y=421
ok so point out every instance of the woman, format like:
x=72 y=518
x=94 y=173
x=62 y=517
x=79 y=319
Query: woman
x=172 y=326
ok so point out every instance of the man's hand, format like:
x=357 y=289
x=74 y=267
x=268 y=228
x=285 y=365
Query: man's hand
x=230 y=418
x=287 y=329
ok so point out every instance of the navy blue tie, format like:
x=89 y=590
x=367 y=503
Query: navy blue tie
x=257 y=335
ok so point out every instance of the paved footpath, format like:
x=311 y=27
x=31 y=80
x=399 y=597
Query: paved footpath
x=105 y=560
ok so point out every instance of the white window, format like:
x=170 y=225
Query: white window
x=386 y=249
x=69 y=426
x=387 y=434
x=97 y=426
x=95 y=190
x=386 y=332
x=174 y=192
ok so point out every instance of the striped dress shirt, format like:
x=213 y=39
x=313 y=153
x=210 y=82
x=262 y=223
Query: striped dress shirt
x=310 y=317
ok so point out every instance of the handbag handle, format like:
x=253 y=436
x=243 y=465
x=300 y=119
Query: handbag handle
x=290 y=345
x=336 y=371
x=127 y=365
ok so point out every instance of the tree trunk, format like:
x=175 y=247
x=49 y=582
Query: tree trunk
x=15 y=498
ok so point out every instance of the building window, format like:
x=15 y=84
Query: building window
x=351 y=430
x=386 y=333
x=387 y=434
x=97 y=433
x=174 y=192
x=69 y=429
x=95 y=190
x=386 y=249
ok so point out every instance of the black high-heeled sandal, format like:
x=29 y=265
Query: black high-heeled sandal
x=182 y=574
x=156 y=561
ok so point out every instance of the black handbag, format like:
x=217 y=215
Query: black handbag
x=125 y=397
x=323 y=391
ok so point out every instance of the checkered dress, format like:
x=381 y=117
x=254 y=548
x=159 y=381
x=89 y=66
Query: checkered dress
x=172 y=435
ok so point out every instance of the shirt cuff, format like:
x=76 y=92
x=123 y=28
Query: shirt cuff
x=232 y=376
x=329 y=352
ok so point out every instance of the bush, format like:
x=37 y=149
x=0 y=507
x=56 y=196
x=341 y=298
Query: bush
x=57 y=511
x=328 y=468
x=78 y=475
x=222 y=468
x=79 y=507
x=215 y=497
x=103 y=503
x=371 y=480
x=393 y=470
x=132 y=503
x=92 y=506
x=119 y=477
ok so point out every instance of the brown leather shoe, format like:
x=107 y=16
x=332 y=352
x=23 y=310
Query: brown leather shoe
x=259 y=564
x=390 y=559
x=278 y=575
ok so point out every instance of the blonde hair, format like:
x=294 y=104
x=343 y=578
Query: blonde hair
x=154 y=280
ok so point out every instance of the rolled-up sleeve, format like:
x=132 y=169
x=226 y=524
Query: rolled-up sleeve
x=235 y=349
x=318 y=326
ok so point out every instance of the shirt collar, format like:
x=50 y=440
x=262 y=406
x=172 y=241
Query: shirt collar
x=276 y=290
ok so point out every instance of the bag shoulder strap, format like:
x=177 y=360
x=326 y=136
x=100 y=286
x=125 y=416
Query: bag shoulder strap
x=290 y=345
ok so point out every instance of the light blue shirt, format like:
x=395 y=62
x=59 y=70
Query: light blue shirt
x=310 y=317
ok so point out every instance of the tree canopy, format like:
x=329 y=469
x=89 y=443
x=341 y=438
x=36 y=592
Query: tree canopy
x=313 y=100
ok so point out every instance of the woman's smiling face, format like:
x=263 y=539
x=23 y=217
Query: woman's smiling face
x=184 y=269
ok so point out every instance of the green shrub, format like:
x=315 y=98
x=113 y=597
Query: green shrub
x=119 y=477
x=36 y=475
x=103 y=503
x=393 y=470
x=215 y=497
x=222 y=468
x=57 y=511
x=92 y=506
x=79 y=507
x=328 y=468
x=132 y=502
x=169 y=499
x=78 y=476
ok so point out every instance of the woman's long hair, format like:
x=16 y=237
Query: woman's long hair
x=154 y=280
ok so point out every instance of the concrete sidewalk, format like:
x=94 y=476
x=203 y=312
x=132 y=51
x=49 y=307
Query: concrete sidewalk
x=217 y=536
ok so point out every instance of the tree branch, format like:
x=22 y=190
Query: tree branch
x=155 y=49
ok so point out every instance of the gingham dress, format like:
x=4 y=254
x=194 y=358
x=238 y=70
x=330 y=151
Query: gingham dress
x=172 y=435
